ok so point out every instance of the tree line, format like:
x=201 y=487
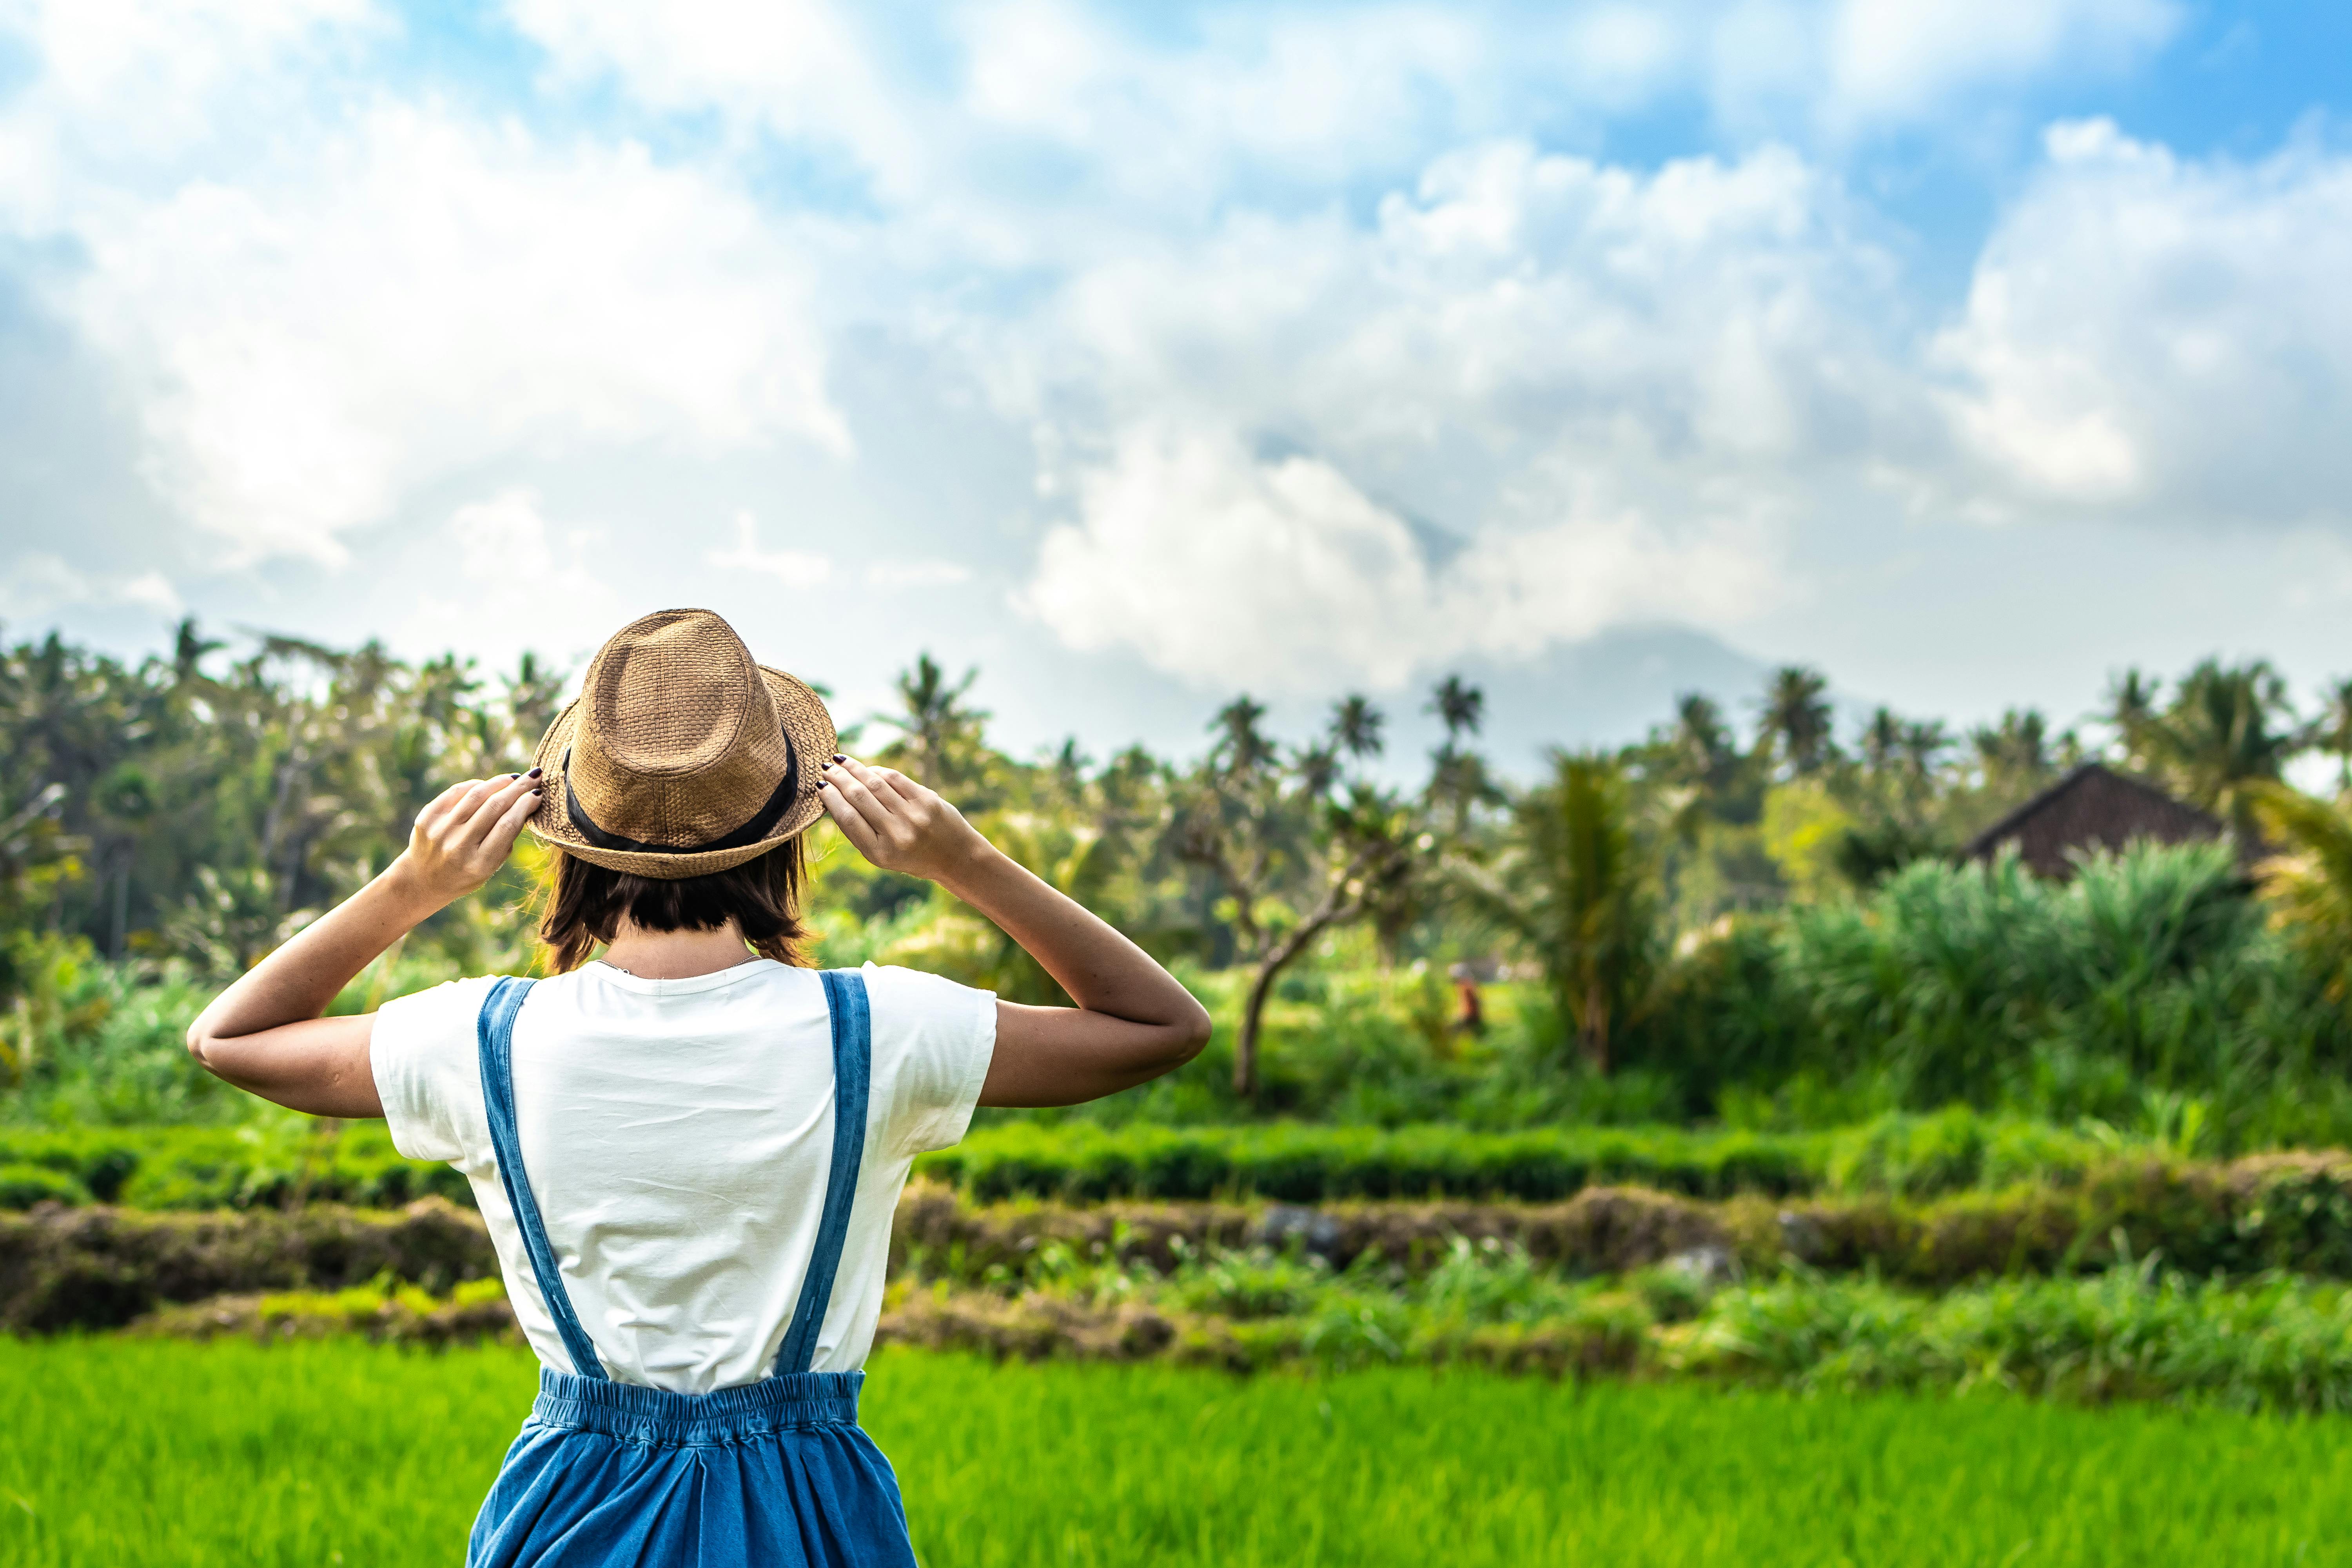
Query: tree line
x=198 y=805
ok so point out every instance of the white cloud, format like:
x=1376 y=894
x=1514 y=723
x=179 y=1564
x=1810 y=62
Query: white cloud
x=520 y=574
x=795 y=67
x=503 y=538
x=428 y=294
x=796 y=567
x=1609 y=389
x=2164 y=336
x=1726 y=312
x=41 y=584
x=1281 y=575
x=126 y=89
x=1904 y=60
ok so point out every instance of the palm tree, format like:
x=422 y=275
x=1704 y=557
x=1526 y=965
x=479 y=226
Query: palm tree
x=1796 y=719
x=1241 y=746
x=2132 y=711
x=941 y=744
x=2309 y=881
x=1577 y=889
x=1460 y=706
x=1924 y=745
x=2333 y=732
x=1458 y=774
x=2228 y=730
x=1356 y=727
x=1882 y=740
x=1700 y=744
x=2014 y=755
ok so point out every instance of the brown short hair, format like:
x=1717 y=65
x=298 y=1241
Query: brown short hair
x=588 y=902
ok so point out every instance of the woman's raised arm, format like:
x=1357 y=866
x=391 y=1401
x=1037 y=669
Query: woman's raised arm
x=264 y=1033
x=1132 y=1023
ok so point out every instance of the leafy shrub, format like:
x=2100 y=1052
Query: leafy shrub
x=262 y=1163
x=1304 y=1163
x=2151 y=974
x=22 y=1186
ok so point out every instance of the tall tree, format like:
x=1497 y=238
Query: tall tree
x=1795 y=727
x=2014 y=755
x=2333 y=731
x=1577 y=889
x=2228 y=730
x=1881 y=740
x=1343 y=849
x=1459 y=705
x=940 y=734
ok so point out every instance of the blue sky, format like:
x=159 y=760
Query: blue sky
x=1970 y=349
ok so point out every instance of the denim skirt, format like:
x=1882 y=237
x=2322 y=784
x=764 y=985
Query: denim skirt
x=774 y=1472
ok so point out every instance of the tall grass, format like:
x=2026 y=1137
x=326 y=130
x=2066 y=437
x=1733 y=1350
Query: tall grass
x=165 y=1453
x=2148 y=986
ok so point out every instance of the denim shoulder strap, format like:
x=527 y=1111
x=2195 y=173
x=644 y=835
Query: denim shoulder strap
x=852 y=1037
x=495 y=1033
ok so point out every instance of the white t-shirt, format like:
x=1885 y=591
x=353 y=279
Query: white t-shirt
x=678 y=1134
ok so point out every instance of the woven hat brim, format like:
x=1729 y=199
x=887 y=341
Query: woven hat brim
x=807 y=725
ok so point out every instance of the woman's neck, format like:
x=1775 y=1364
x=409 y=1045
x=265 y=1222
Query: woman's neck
x=675 y=954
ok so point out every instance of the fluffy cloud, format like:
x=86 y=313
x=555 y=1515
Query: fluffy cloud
x=121 y=90
x=517 y=573
x=42 y=583
x=430 y=293
x=1279 y=575
x=798 y=68
x=2162 y=335
x=793 y=568
x=1905 y=60
x=1724 y=311
x=1604 y=392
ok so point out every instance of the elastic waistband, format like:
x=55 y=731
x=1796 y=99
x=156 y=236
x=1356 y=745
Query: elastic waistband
x=655 y=1415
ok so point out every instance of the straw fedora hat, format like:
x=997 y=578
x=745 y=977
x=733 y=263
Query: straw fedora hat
x=681 y=756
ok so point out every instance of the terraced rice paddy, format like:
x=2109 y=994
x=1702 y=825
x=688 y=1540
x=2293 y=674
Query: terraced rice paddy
x=143 y=1452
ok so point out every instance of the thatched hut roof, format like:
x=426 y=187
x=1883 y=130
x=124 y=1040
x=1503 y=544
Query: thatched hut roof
x=2092 y=808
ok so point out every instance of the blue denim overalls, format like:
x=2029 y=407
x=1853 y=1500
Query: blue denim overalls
x=772 y=1472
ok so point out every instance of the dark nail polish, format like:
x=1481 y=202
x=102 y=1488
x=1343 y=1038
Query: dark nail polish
x=838 y=757
x=536 y=771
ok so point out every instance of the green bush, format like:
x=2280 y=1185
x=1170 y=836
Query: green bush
x=22 y=1186
x=2150 y=981
x=1082 y=1162
x=273 y=1162
x=263 y=1163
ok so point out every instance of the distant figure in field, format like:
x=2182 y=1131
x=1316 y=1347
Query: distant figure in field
x=1472 y=1018
x=688 y=1151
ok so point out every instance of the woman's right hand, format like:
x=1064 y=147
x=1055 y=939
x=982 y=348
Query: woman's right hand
x=1132 y=1021
x=898 y=823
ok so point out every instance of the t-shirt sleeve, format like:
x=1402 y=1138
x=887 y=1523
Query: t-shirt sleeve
x=932 y=1042
x=427 y=1073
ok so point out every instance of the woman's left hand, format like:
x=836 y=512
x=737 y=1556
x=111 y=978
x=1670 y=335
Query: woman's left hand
x=464 y=834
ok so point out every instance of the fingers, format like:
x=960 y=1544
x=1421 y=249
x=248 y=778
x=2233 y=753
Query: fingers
x=852 y=823
x=889 y=779
x=503 y=833
x=487 y=807
x=435 y=810
x=876 y=809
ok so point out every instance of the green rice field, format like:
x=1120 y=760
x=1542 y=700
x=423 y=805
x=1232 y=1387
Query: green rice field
x=158 y=1452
